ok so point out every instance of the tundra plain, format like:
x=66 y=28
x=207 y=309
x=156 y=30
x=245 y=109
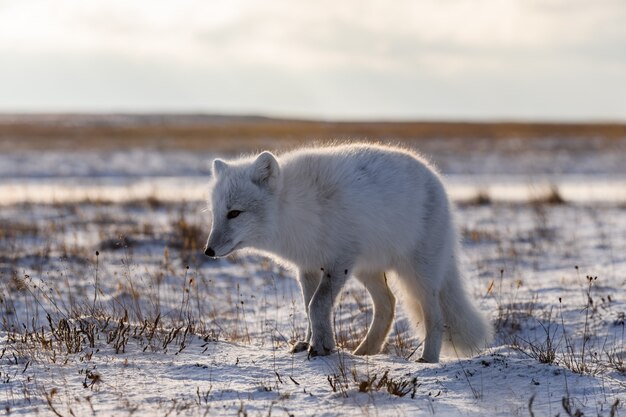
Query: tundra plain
x=109 y=307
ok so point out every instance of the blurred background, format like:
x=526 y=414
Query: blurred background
x=555 y=60
x=494 y=92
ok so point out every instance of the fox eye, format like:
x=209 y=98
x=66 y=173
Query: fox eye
x=233 y=213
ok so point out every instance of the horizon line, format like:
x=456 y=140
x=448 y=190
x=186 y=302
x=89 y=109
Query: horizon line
x=283 y=118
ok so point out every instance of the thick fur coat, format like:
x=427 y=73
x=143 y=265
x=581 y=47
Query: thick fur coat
x=361 y=210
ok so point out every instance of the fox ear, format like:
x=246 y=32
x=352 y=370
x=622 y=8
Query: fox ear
x=265 y=170
x=219 y=166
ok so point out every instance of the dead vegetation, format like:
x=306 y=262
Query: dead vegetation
x=162 y=303
x=552 y=198
x=345 y=382
x=230 y=133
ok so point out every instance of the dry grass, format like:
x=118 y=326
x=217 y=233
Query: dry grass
x=84 y=325
x=482 y=198
x=344 y=381
x=71 y=131
x=552 y=198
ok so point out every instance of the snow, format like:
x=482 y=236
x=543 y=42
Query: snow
x=573 y=188
x=583 y=170
x=149 y=326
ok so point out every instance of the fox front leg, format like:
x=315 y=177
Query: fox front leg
x=320 y=310
x=309 y=281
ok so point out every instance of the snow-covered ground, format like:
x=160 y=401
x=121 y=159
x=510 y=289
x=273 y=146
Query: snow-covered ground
x=583 y=170
x=572 y=188
x=110 y=308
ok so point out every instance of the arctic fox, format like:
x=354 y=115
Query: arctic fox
x=359 y=210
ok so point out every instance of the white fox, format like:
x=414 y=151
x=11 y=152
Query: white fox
x=361 y=210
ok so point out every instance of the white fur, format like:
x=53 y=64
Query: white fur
x=359 y=210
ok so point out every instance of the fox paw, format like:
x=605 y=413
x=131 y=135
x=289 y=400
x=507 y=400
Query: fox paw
x=299 y=346
x=319 y=351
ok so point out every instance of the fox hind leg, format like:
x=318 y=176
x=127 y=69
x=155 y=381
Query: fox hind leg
x=433 y=322
x=422 y=287
x=384 y=311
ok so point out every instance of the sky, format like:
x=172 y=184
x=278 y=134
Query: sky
x=554 y=60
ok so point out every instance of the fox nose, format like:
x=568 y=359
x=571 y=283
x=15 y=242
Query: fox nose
x=209 y=252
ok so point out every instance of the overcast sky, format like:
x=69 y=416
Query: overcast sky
x=444 y=59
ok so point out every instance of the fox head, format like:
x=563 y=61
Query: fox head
x=243 y=199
